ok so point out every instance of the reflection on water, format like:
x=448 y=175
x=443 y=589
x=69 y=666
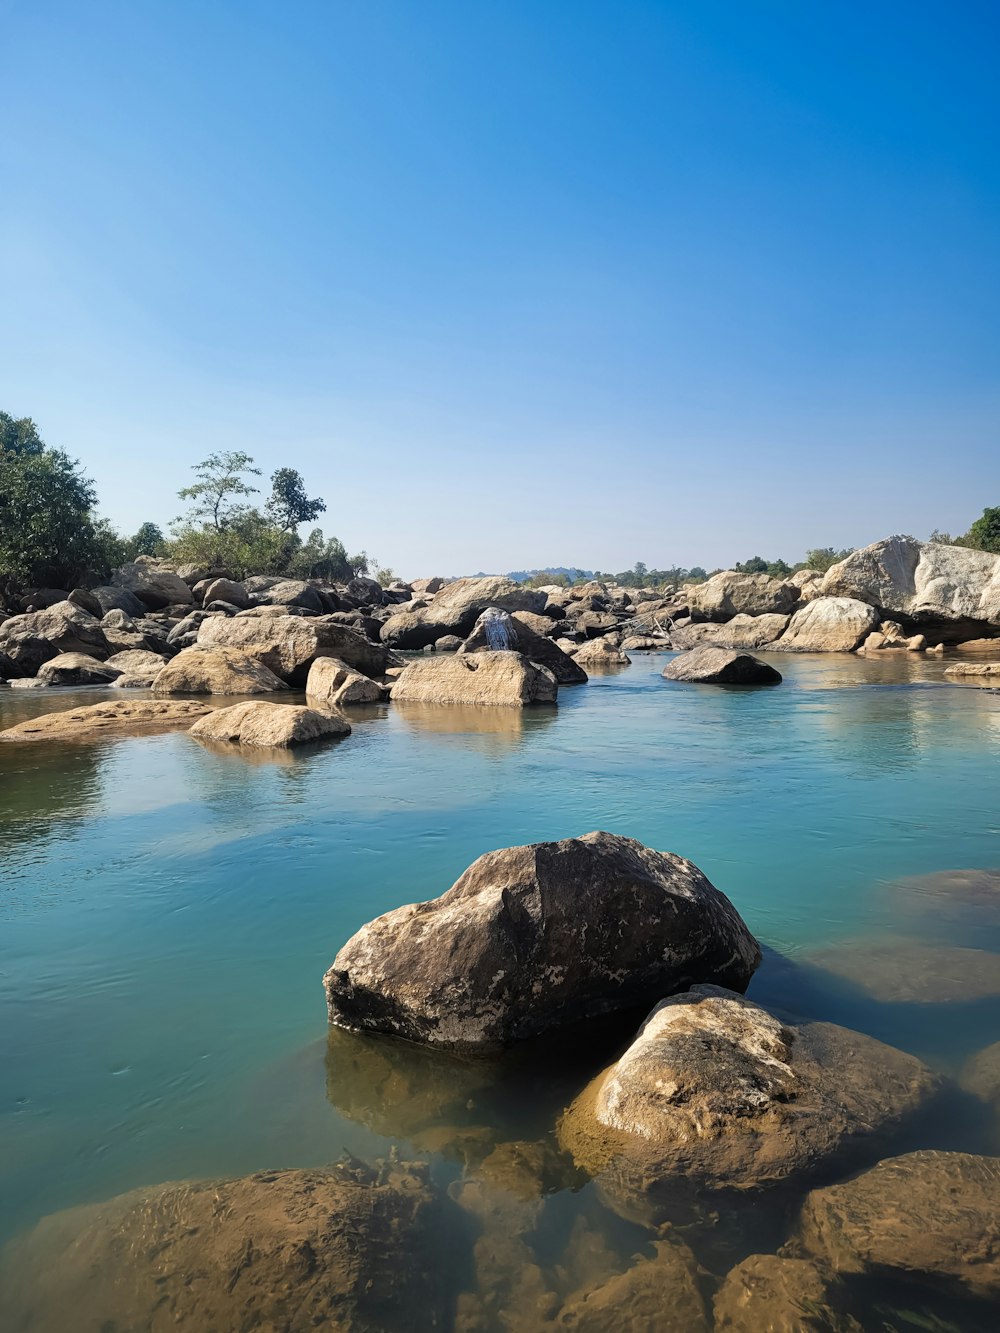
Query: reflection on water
x=168 y=913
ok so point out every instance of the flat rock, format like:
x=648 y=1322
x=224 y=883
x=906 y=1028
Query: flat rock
x=986 y=669
x=717 y=1093
x=829 y=625
x=896 y=970
x=708 y=665
x=202 y=669
x=115 y=717
x=341 y=1248
x=333 y=684
x=925 y=1215
x=271 y=725
x=535 y=937
x=500 y=679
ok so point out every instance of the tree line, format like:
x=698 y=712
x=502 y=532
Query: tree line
x=52 y=536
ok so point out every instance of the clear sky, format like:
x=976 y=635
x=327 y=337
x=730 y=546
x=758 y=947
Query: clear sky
x=515 y=282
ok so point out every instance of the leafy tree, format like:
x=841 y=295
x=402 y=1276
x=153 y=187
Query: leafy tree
x=696 y=574
x=48 y=534
x=149 y=540
x=984 y=535
x=640 y=571
x=218 y=488
x=288 y=505
x=939 y=538
x=755 y=565
x=822 y=557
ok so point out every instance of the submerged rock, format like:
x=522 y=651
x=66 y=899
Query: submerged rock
x=112 y=718
x=925 y=1215
x=500 y=679
x=204 y=670
x=657 y=1294
x=896 y=970
x=348 y=1248
x=779 y=1295
x=531 y=938
x=720 y=666
x=273 y=725
x=974 y=669
x=981 y=1074
x=717 y=1093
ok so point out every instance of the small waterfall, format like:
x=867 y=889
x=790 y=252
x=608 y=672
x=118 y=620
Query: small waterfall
x=499 y=630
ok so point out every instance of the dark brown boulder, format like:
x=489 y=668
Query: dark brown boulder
x=721 y=666
x=532 y=938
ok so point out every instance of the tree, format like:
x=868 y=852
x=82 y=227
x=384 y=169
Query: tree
x=640 y=571
x=822 y=557
x=220 y=482
x=984 y=535
x=149 y=540
x=288 y=505
x=755 y=565
x=48 y=534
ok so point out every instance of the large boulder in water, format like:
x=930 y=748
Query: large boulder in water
x=456 y=608
x=717 y=1093
x=332 y=684
x=948 y=592
x=720 y=666
x=269 y=725
x=346 y=1247
x=730 y=593
x=660 y=1293
x=288 y=645
x=497 y=679
x=203 y=669
x=154 y=583
x=34 y=638
x=532 y=938
x=77 y=669
x=499 y=630
x=925 y=1215
x=829 y=625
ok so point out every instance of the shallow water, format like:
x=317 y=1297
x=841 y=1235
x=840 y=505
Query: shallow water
x=168 y=912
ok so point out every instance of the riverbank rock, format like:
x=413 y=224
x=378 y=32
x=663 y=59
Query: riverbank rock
x=271 y=725
x=226 y=590
x=496 y=629
x=202 y=669
x=768 y=1293
x=717 y=1093
x=948 y=592
x=288 y=645
x=37 y=636
x=115 y=717
x=456 y=608
x=154 y=583
x=601 y=653
x=829 y=625
x=535 y=937
x=347 y=1248
x=926 y=1215
x=708 y=665
x=77 y=669
x=745 y=632
x=499 y=679
x=333 y=683
x=730 y=593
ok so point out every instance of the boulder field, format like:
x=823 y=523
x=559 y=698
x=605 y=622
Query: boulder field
x=535 y=937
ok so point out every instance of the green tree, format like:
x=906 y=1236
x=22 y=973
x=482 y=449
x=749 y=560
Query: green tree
x=755 y=565
x=288 y=505
x=984 y=535
x=219 y=487
x=48 y=534
x=822 y=557
x=149 y=540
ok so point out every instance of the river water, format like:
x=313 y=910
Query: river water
x=167 y=913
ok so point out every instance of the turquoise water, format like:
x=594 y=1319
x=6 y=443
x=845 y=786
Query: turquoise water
x=167 y=912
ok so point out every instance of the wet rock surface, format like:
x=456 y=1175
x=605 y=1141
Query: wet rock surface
x=717 y=1093
x=534 y=937
x=897 y=970
x=781 y=1295
x=926 y=1215
x=348 y=1247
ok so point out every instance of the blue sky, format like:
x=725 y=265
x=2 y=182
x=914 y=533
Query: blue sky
x=514 y=282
